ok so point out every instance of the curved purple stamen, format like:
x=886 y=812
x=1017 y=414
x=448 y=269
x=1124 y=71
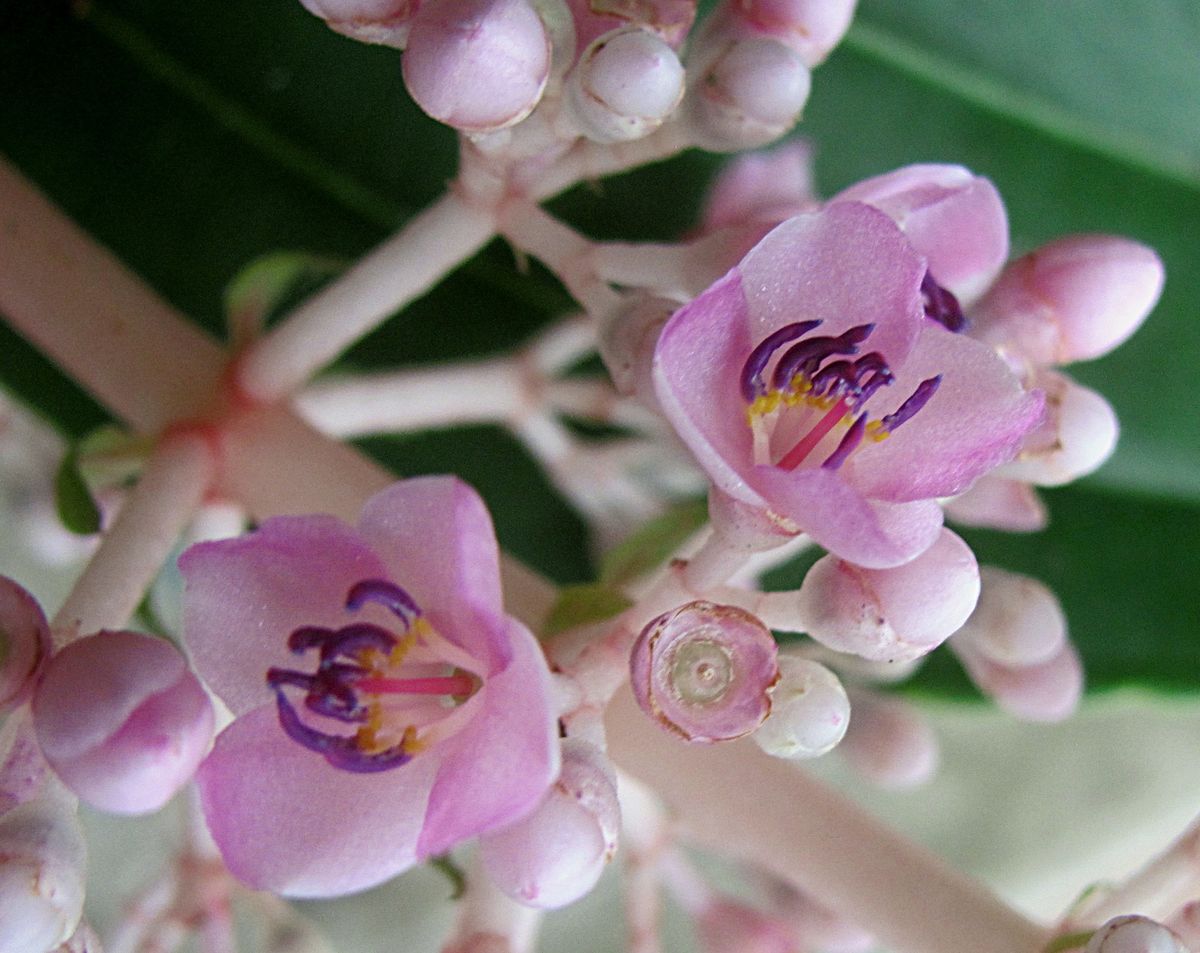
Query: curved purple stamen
x=805 y=357
x=307 y=637
x=753 y=384
x=941 y=305
x=918 y=399
x=339 y=750
x=356 y=637
x=835 y=379
x=387 y=594
x=849 y=443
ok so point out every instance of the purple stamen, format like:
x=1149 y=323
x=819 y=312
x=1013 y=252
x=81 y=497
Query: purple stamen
x=918 y=399
x=849 y=442
x=835 y=379
x=387 y=594
x=941 y=305
x=805 y=357
x=339 y=750
x=356 y=637
x=307 y=637
x=753 y=384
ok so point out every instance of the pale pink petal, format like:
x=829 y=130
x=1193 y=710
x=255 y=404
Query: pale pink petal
x=435 y=536
x=497 y=768
x=243 y=597
x=288 y=822
x=975 y=421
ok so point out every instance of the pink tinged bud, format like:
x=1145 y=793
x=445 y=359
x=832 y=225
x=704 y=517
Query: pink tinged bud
x=122 y=720
x=669 y=19
x=705 y=671
x=1047 y=691
x=371 y=21
x=626 y=84
x=1134 y=934
x=749 y=94
x=1077 y=434
x=1018 y=621
x=1071 y=300
x=477 y=65
x=726 y=926
x=762 y=188
x=626 y=341
x=891 y=614
x=809 y=711
x=810 y=27
x=24 y=643
x=888 y=742
x=997 y=503
x=557 y=854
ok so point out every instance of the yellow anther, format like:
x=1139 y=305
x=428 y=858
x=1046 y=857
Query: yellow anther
x=419 y=630
x=411 y=743
x=401 y=648
x=876 y=431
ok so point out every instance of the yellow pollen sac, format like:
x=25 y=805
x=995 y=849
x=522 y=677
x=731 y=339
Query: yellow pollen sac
x=876 y=432
x=367 y=736
x=419 y=629
x=762 y=405
x=411 y=743
x=401 y=648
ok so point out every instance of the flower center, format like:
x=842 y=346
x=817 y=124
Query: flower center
x=375 y=680
x=813 y=396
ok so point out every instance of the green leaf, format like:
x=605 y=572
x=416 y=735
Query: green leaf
x=649 y=547
x=270 y=285
x=583 y=605
x=444 y=864
x=73 y=500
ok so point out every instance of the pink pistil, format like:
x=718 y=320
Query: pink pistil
x=794 y=457
x=447 y=685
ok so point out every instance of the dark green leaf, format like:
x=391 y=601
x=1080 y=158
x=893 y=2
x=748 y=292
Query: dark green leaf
x=73 y=500
x=649 y=547
x=583 y=605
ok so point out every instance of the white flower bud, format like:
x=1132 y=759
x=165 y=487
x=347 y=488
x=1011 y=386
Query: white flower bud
x=888 y=741
x=1134 y=934
x=809 y=711
x=1018 y=620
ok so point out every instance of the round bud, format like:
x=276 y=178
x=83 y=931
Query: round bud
x=887 y=614
x=371 y=21
x=704 y=671
x=888 y=742
x=122 y=720
x=625 y=85
x=997 y=503
x=1071 y=300
x=810 y=27
x=1134 y=934
x=761 y=188
x=1017 y=622
x=24 y=643
x=727 y=926
x=557 y=854
x=477 y=65
x=669 y=19
x=1047 y=691
x=750 y=94
x=809 y=711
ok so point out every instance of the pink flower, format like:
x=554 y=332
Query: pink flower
x=386 y=706
x=817 y=395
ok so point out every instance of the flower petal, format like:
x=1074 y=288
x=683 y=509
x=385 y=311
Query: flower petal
x=286 y=821
x=496 y=769
x=244 y=596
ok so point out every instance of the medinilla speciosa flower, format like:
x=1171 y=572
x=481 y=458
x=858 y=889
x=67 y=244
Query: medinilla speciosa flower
x=387 y=708
x=819 y=396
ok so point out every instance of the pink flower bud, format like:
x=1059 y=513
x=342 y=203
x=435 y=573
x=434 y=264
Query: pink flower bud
x=997 y=503
x=749 y=94
x=557 y=854
x=24 y=643
x=1134 y=934
x=669 y=19
x=705 y=671
x=1046 y=691
x=627 y=340
x=625 y=85
x=888 y=742
x=477 y=65
x=809 y=711
x=898 y=613
x=1078 y=433
x=761 y=188
x=727 y=926
x=122 y=720
x=371 y=21
x=1017 y=622
x=1071 y=300
x=810 y=27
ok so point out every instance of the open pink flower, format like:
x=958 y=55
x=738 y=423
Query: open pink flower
x=386 y=706
x=815 y=391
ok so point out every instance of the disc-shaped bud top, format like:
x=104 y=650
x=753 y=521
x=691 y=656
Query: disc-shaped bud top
x=24 y=643
x=809 y=711
x=705 y=671
x=477 y=65
x=122 y=720
x=1134 y=934
x=626 y=84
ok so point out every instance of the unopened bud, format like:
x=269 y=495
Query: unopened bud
x=705 y=671
x=24 y=643
x=557 y=854
x=888 y=741
x=1017 y=622
x=1048 y=691
x=998 y=503
x=727 y=926
x=761 y=188
x=810 y=27
x=809 y=711
x=626 y=341
x=1071 y=300
x=370 y=21
x=669 y=19
x=898 y=613
x=122 y=720
x=625 y=85
x=1134 y=934
x=477 y=65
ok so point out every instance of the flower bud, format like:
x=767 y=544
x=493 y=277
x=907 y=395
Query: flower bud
x=809 y=711
x=1017 y=622
x=1071 y=300
x=626 y=341
x=24 y=643
x=1047 y=691
x=897 y=613
x=477 y=65
x=997 y=503
x=749 y=94
x=1078 y=433
x=557 y=854
x=704 y=671
x=122 y=720
x=83 y=940
x=888 y=742
x=1134 y=934
x=956 y=219
x=761 y=188
x=669 y=19
x=370 y=21
x=625 y=85
x=727 y=926
x=810 y=27
x=42 y=854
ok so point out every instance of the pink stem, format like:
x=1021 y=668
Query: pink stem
x=449 y=685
